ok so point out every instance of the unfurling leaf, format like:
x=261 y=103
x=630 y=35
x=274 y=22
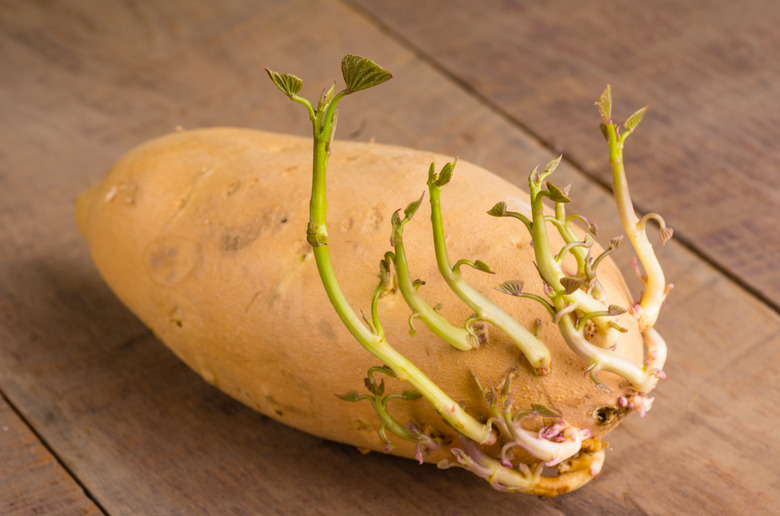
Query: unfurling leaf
x=289 y=84
x=570 y=284
x=350 y=396
x=361 y=73
x=511 y=287
x=446 y=174
x=666 y=235
x=411 y=209
x=604 y=131
x=395 y=220
x=553 y=165
x=534 y=177
x=544 y=411
x=556 y=194
x=410 y=394
x=326 y=97
x=499 y=210
x=605 y=105
x=482 y=266
x=634 y=119
x=615 y=242
x=615 y=310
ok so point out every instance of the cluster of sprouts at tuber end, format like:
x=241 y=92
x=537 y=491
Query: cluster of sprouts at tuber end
x=576 y=302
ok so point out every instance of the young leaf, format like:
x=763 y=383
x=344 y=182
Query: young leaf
x=605 y=105
x=326 y=97
x=570 y=284
x=544 y=411
x=482 y=266
x=511 y=287
x=361 y=73
x=446 y=174
x=615 y=310
x=666 y=235
x=556 y=194
x=395 y=219
x=615 y=242
x=289 y=84
x=553 y=165
x=534 y=177
x=412 y=208
x=634 y=119
x=410 y=394
x=350 y=396
x=499 y=210
x=604 y=130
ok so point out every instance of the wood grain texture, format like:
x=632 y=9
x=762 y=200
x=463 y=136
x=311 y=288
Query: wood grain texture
x=31 y=480
x=88 y=79
x=705 y=156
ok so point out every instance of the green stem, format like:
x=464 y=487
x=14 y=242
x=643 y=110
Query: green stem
x=655 y=285
x=550 y=269
x=375 y=344
x=534 y=349
x=458 y=338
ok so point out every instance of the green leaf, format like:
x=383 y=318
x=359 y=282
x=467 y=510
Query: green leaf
x=445 y=175
x=412 y=208
x=534 y=177
x=410 y=394
x=326 y=97
x=350 y=396
x=615 y=310
x=395 y=220
x=499 y=210
x=511 y=287
x=605 y=105
x=544 y=411
x=289 y=84
x=553 y=165
x=604 y=130
x=360 y=73
x=556 y=194
x=571 y=284
x=634 y=119
x=482 y=266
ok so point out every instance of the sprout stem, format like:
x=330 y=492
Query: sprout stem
x=655 y=286
x=317 y=236
x=534 y=349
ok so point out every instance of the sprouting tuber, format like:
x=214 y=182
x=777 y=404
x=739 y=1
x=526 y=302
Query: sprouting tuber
x=498 y=336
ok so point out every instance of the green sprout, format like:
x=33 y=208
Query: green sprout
x=576 y=301
x=360 y=73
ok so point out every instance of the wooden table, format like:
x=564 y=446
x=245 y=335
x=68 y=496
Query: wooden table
x=96 y=416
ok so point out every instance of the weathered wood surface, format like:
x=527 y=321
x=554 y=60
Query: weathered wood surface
x=31 y=480
x=83 y=81
x=706 y=157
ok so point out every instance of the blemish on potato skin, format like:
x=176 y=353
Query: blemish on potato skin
x=170 y=260
x=372 y=221
x=175 y=317
x=124 y=191
x=608 y=416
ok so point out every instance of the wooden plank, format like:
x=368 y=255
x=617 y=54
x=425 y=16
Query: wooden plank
x=31 y=479
x=145 y=435
x=705 y=156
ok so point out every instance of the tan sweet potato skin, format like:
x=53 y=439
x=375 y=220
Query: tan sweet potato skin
x=202 y=235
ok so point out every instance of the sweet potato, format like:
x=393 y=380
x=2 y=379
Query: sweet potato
x=202 y=234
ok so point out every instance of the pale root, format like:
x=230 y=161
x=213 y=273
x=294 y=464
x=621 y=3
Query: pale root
x=202 y=234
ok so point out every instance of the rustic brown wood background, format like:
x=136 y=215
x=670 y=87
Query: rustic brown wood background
x=96 y=416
